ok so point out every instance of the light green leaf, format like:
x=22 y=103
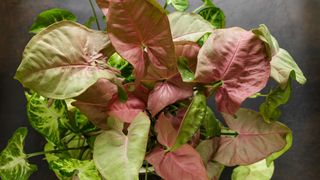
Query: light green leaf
x=64 y=60
x=278 y=96
x=211 y=124
x=275 y=155
x=186 y=73
x=188 y=26
x=48 y=17
x=84 y=170
x=282 y=62
x=48 y=117
x=13 y=160
x=180 y=5
x=118 y=156
x=256 y=171
x=281 y=66
x=214 y=170
x=191 y=120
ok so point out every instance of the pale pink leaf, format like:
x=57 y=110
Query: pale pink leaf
x=239 y=59
x=126 y=111
x=256 y=139
x=166 y=134
x=184 y=163
x=139 y=30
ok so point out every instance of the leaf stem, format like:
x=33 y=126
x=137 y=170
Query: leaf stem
x=146 y=173
x=94 y=14
x=54 y=151
x=165 y=5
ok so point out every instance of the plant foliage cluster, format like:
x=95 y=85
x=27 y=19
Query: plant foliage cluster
x=133 y=98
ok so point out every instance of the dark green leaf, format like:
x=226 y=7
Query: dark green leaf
x=84 y=170
x=214 y=15
x=13 y=160
x=124 y=66
x=48 y=17
x=48 y=117
x=122 y=94
x=192 y=120
x=184 y=69
x=269 y=109
x=211 y=124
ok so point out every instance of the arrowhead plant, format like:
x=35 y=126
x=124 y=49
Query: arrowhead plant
x=132 y=99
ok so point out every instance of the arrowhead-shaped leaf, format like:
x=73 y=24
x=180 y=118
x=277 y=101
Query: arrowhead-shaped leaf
x=140 y=32
x=188 y=26
x=13 y=160
x=192 y=120
x=64 y=60
x=120 y=156
x=183 y=163
x=48 y=17
x=278 y=96
x=255 y=141
x=239 y=59
x=126 y=111
x=166 y=134
x=48 y=118
x=256 y=171
x=282 y=63
x=83 y=170
x=166 y=93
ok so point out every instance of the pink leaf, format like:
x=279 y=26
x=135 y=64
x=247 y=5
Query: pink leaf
x=177 y=119
x=166 y=93
x=239 y=59
x=184 y=163
x=256 y=139
x=127 y=111
x=139 y=30
x=166 y=133
x=94 y=101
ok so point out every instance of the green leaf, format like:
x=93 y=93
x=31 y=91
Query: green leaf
x=48 y=17
x=124 y=66
x=48 y=117
x=82 y=123
x=188 y=26
x=282 y=64
x=191 y=120
x=184 y=69
x=180 y=5
x=84 y=170
x=281 y=61
x=275 y=155
x=64 y=60
x=122 y=94
x=211 y=124
x=256 y=171
x=214 y=170
x=89 y=23
x=120 y=156
x=13 y=160
x=214 y=15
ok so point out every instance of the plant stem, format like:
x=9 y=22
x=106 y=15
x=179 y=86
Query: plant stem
x=146 y=173
x=53 y=151
x=165 y=5
x=95 y=14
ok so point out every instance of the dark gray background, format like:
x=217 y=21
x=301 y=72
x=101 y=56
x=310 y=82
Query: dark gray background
x=295 y=23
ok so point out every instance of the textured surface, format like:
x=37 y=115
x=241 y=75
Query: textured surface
x=294 y=23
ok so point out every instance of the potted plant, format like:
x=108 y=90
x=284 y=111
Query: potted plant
x=132 y=98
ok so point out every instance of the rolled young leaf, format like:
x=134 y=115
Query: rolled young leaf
x=275 y=155
x=13 y=160
x=64 y=60
x=139 y=30
x=239 y=59
x=192 y=120
x=48 y=119
x=48 y=17
x=256 y=139
x=188 y=26
x=120 y=156
x=257 y=171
